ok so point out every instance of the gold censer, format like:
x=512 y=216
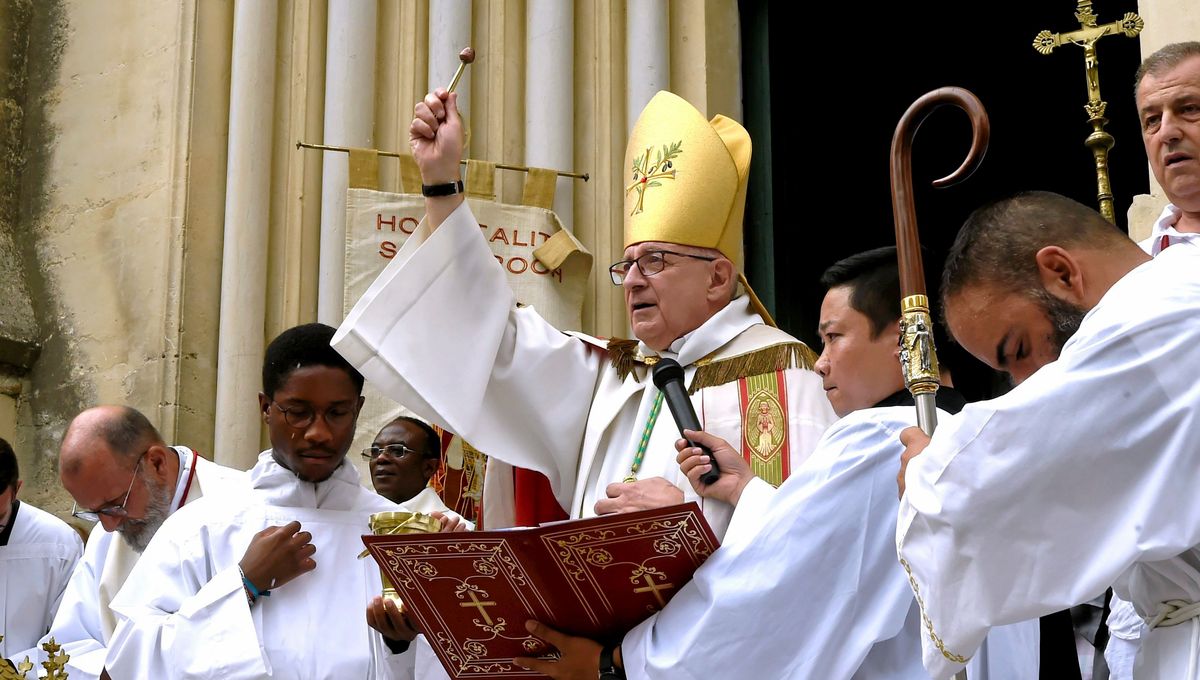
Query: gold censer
x=397 y=522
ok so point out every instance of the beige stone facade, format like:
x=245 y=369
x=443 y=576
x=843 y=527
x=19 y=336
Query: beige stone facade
x=121 y=188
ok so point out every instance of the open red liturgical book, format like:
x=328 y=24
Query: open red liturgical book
x=471 y=592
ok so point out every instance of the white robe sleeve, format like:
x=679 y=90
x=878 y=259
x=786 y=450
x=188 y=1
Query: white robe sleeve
x=754 y=502
x=1126 y=629
x=391 y=666
x=77 y=626
x=177 y=622
x=1038 y=500
x=439 y=331
x=822 y=567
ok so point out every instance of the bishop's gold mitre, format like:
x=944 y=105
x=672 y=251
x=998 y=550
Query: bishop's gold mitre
x=686 y=181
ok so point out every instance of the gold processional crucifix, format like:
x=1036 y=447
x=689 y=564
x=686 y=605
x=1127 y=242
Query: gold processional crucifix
x=55 y=665
x=1099 y=141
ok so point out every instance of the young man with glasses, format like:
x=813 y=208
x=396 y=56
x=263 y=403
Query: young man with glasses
x=404 y=456
x=126 y=479
x=580 y=410
x=267 y=583
x=38 y=551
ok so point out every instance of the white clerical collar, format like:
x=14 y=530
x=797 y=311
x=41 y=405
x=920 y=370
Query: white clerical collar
x=183 y=482
x=713 y=334
x=1165 y=226
x=283 y=488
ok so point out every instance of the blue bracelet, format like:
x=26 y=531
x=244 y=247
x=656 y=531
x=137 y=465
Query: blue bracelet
x=255 y=593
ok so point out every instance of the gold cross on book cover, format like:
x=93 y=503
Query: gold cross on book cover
x=472 y=592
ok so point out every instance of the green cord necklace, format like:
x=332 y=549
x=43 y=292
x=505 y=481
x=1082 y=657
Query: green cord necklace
x=645 y=442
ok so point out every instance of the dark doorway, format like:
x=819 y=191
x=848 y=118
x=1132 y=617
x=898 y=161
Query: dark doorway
x=824 y=88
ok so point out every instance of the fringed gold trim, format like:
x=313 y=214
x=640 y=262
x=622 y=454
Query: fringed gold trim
x=624 y=356
x=713 y=372
x=710 y=372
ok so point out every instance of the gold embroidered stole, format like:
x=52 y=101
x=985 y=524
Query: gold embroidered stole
x=762 y=394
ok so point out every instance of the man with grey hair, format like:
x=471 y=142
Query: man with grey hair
x=1167 y=90
x=123 y=476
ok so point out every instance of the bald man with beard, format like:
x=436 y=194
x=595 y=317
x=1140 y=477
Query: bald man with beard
x=123 y=476
x=1083 y=475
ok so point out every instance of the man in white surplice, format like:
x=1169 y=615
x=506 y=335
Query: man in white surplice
x=997 y=523
x=37 y=553
x=124 y=477
x=811 y=588
x=1168 y=89
x=267 y=584
x=1168 y=86
x=579 y=410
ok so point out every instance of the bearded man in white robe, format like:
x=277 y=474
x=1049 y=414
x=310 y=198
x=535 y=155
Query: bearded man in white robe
x=580 y=410
x=124 y=477
x=38 y=551
x=267 y=584
x=811 y=589
x=1082 y=476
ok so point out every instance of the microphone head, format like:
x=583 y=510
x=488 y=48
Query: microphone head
x=665 y=371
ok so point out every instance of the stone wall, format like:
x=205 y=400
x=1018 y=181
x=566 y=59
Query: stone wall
x=19 y=346
x=98 y=215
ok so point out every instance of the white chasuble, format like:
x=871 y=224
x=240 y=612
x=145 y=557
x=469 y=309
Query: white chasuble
x=1081 y=477
x=84 y=622
x=183 y=612
x=439 y=332
x=35 y=565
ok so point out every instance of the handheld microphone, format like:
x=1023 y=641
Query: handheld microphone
x=668 y=378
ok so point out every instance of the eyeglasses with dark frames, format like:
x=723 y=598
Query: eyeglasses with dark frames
x=302 y=417
x=648 y=264
x=113 y=511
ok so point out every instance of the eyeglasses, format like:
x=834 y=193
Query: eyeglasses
x=302 y=417
x=114 y=511
x=394 y=450
x=649 y=264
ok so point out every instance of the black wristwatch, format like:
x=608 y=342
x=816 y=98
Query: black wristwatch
x=608 y=669
x=447 y=189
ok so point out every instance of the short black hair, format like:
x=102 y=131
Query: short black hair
x=304 y=345
x=873 y=277
x=1165 y=59
x=433 y=443
x=998 y=244
x=10 y=472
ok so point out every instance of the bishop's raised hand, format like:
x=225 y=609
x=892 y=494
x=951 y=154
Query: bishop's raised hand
x=436 y=137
